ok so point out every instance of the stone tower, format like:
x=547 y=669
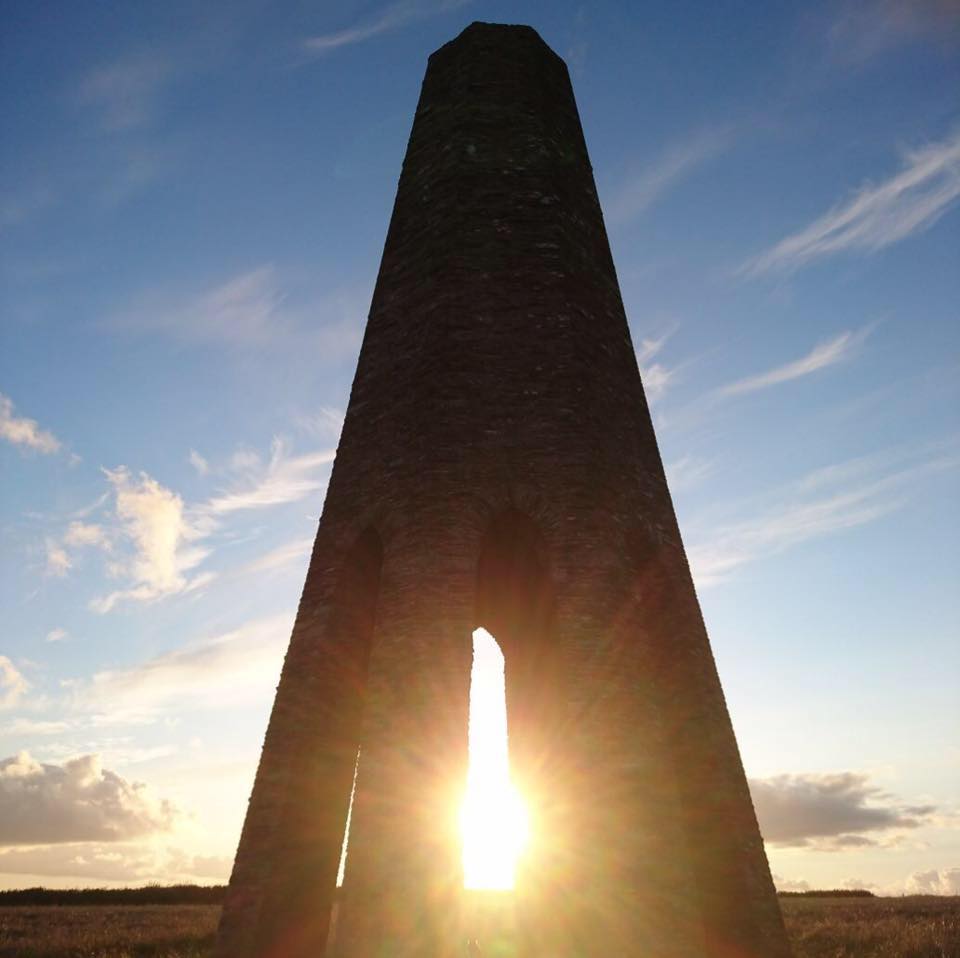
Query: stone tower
x=498 y=468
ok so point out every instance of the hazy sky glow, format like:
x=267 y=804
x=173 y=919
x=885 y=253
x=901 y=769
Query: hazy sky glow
x=193 y=203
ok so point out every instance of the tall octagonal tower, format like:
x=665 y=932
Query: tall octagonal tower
x=498 y=468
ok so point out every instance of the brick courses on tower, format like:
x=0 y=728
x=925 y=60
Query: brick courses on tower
x=498 y=467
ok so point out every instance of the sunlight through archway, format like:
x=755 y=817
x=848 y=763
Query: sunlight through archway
x=493 y=818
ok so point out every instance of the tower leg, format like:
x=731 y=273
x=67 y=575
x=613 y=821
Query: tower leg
x=404 y=879
x=282 y=888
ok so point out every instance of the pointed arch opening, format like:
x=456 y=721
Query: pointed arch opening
x=512 y=702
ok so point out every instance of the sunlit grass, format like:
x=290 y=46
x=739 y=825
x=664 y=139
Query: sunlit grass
x=494 y=820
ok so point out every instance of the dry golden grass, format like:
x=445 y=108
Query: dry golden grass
x=108 y=931
x=918 y=927
x=914 y=927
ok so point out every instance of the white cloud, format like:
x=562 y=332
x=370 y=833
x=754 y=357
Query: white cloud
x=827 y=501
x=390 y=18
x=74 y=802
x=829 y=812
x=58 y=561
x=81 y=534
x=655 y=377
x=284 y=479
x=57 y=635
x=152 y=520
x=12 y=683
x=198 y=462
x=125 y=92
x=877 y=216
x=24 y=432
x=790 y=884
x=943 y=881
x=645 y=187
x=837 y=350
x=237 y=664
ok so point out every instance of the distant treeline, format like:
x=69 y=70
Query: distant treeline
x=829 y=893
x=214 y=895
x=150 y=895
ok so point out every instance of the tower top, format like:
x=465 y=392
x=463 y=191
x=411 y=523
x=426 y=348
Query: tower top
x=496 y=38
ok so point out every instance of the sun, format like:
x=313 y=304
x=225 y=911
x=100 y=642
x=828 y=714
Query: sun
x=494 y=821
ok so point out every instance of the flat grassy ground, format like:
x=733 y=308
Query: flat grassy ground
x=917 y=927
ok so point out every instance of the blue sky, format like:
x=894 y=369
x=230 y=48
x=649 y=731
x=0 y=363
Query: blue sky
x=193 y=204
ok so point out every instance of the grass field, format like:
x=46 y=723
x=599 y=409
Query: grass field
x=917 y=927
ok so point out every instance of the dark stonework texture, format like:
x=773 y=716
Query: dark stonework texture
x=498 y=467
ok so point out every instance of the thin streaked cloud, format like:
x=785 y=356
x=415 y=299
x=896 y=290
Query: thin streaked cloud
x=837 y=350
x=862 y=30
x=296 y=550
x=283 y=479
x=242 y=663
x=391 y=17
x=877 y=216
x=826 y=502
x=640 y=190
x=252 y=310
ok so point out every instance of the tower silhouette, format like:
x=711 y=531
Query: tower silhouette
x=498 y=468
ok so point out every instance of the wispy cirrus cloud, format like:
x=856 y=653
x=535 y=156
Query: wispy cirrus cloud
x=877 y=216
x=284 y=478
x=296 y=550
x=837 y=350
x=245 y=661
x=863 y=29
x=252 y=310
x=391 y=17
x=826 y=502
x=25 y=432
x=641 y=189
